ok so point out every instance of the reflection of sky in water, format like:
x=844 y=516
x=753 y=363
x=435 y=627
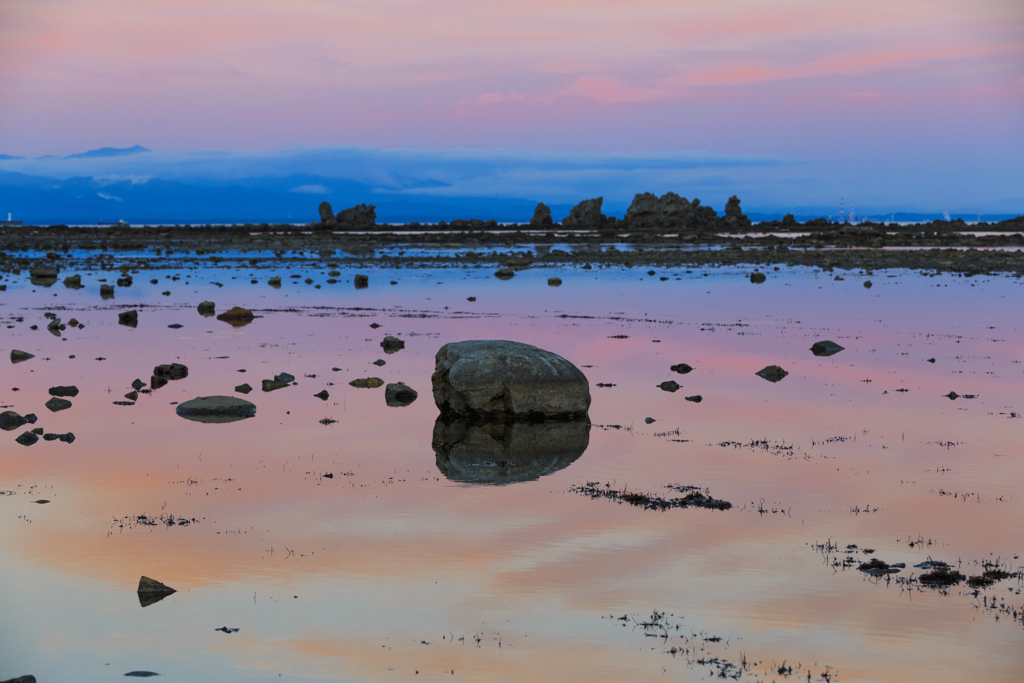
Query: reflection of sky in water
x=389 y=552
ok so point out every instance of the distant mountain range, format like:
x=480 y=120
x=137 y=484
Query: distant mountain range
x=106 y=152
x=286 y=186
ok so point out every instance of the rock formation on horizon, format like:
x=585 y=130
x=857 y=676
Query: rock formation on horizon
x=586 y=215
x=669 y=212
x=734 y=216
x=326 y=213
x=358 y=217
x=541 y=217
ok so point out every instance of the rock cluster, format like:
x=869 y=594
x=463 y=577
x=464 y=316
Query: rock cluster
x=670 y=212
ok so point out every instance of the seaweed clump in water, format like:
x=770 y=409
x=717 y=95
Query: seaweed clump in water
x=694 y=498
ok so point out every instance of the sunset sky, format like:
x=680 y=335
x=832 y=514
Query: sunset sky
x=901 y=104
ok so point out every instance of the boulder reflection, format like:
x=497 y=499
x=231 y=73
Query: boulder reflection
x=499 y=453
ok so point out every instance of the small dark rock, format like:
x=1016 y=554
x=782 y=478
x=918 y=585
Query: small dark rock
x=379 y=362
x=392 y=344
x=64 y=391
x=56 y=404
x=826 y=348
x=669 y=386
x=554 y=282
x=107 y=291
x=695 y=399
x=504 y=274
x=772 y=373
x=129 y=318
x=361 y=281
x=649 y=420
x=243 y=388
x=397 y=395
x=138 y=384
x=323 y=395
x=682 y=368
x=367 y=383
x=27 y=438
x=207 y=309
x=174 y=371
x=867 y=284
x=757 y=278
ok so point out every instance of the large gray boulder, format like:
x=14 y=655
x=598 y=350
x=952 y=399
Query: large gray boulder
x=507 y=453
x=507 y=380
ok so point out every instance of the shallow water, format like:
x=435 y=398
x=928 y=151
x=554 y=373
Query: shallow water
x=389 y=570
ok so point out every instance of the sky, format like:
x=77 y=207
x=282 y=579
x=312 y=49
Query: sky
x=908 y=105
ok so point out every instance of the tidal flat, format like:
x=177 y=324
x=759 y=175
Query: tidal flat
x=328 y=537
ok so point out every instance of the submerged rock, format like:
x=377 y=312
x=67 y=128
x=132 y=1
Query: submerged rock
x=216 y=409
x=367 y=383
x=825 y=348
x=392 y=344
x=772 y=373
x=10 y=420
x=505 y=453
x=237 y=316
x=507 y=380
x=27 y=438
x=18 y=356
x=173 y=371
x=398 y=394
x=57 y=404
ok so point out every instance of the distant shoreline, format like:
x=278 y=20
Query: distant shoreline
x=937 y=247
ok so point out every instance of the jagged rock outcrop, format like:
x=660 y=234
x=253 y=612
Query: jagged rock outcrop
x=541 y=217
x=734 y=216
x=586 y=215
x=358 y=217
x=670 y=212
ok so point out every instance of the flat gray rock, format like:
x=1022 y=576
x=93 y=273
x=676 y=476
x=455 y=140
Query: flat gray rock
x=506 y=379
x=216 y=409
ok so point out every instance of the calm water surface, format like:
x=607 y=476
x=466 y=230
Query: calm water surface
x=399 y=567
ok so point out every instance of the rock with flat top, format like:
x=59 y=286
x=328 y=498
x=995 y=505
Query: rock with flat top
x=64 y=391
x=216 y=409
x=507 y=380
x=237 y=316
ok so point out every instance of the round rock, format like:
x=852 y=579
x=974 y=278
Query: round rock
x=216 y=409
x=508 y=379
